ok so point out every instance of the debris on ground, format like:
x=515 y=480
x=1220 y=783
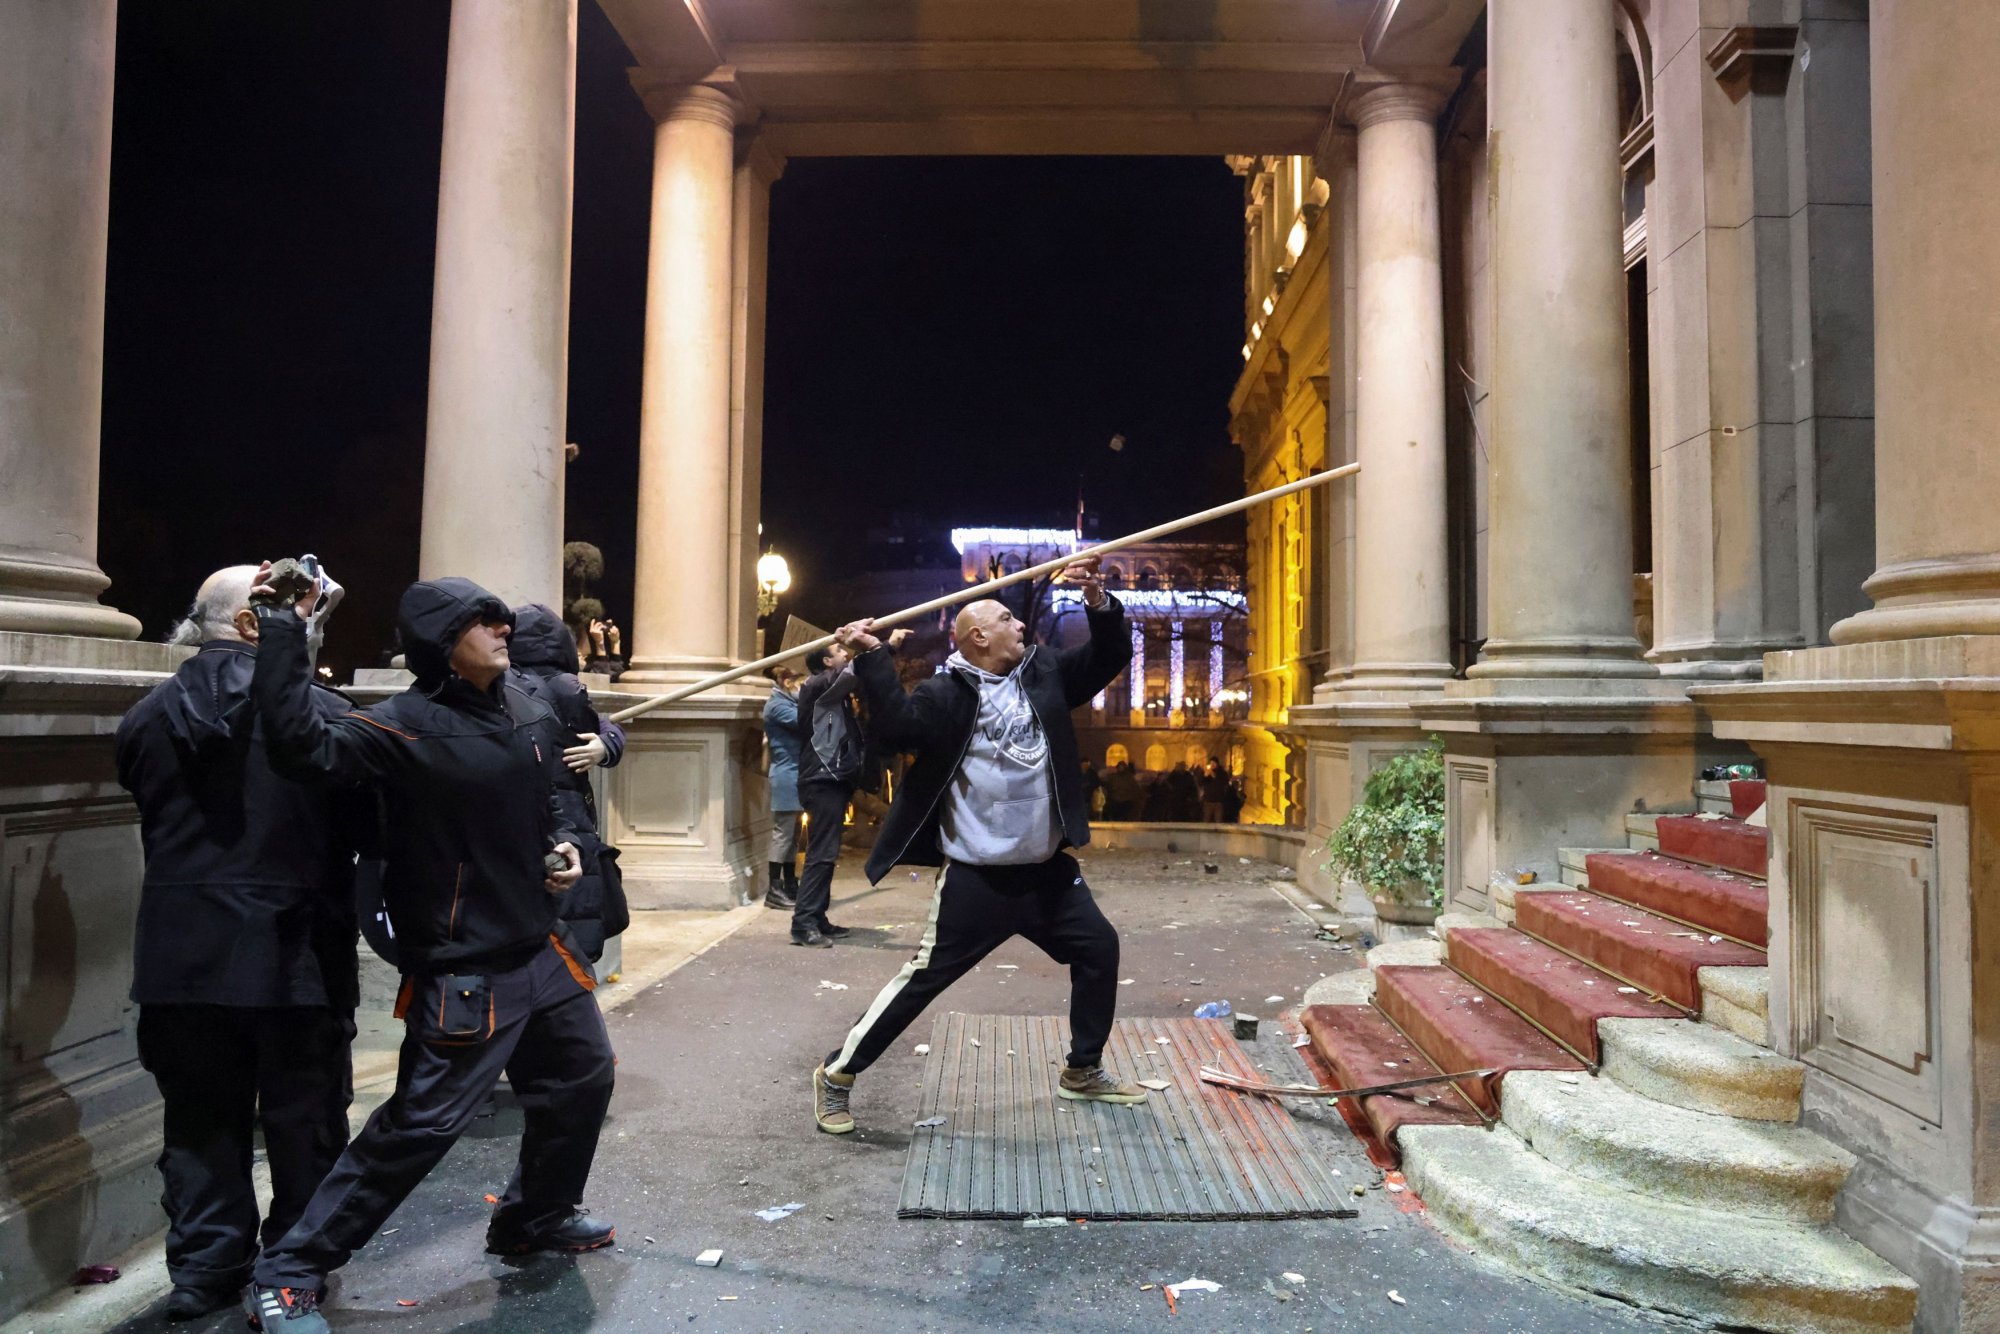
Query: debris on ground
x=1286 y=873
x=1282 y=1294
x=1194 y=1285
x=825 y=985
x=1274 y=1000
x=707 y=1259
x=1397 y=1297
x=91 y=1274
x=1212 y=1010
x=1052 y=1220
x=928 y=1122
x=1246 y=1027
x=405 y=1301
x=1210 y=868
x=1157 y=1085
x=923 y=1049
x=1294 y=1279
x=1125 y=981
x=777 y=1211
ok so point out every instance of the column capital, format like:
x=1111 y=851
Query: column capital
x=1377 y=103
x=1335 y=150
x=754 y=152
x=679 y=94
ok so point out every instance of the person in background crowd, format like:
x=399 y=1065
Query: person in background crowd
x=1093 y=789
x=1123 y=796
x=244 y=965
x=467 y=765
x=1183 y=794
x=1214 y=792
x=781 y=735
x=544 y=663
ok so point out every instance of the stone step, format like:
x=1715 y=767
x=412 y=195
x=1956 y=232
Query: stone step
x=1460 y=1027
x=1599 y=1129
x=1642 y=831
x=1701 y=1068
x=1724 y=901
x=1648 y=951
x=1352 y=986
x=1492 y=1192
x=1716 y=840
x=1746 y=795
x=1737 y=1000
x=1572 y=863
x=1362 y=1047
x=1566 y=997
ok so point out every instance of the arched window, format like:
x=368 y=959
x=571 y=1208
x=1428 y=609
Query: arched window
x=1115 y=754
x=1148 y=578
x=1184 y=577
x=1114 y=576
x=1197 y=756
x=1156 y=757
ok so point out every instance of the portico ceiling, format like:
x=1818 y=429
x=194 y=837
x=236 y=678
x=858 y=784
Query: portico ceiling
x=851 y=77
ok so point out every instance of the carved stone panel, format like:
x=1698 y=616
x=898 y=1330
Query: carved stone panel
x=1468 y=832
x=1865 y=950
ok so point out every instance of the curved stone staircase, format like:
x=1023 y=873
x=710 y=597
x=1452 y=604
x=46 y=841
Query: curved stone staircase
x=1640 y=1141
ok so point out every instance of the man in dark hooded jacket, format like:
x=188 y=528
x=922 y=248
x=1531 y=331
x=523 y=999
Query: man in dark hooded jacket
x=243 y=962
x=543 y=654
x=467 y=767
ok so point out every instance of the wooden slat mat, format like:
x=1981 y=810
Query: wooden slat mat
x=1010 y=1148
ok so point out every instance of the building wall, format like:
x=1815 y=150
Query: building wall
x=1280 y=420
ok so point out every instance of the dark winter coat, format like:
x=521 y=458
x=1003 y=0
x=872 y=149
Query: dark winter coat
x=935 y=722
x=545 y=665
x=468 y=779
x=832 y=747
x=248 y=897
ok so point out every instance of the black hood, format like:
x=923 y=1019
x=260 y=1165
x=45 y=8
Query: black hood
x=541 y=642
x=434 y=613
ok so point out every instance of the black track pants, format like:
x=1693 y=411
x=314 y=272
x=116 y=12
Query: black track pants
x=544 y=1029
x=826 y=805
x=222 y=1070
x=975 y=910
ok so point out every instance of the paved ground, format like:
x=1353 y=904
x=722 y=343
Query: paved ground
x=711 y=1123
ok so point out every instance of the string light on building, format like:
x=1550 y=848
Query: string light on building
x=1177 y=668
x=1137 y=671
x=1214 y=659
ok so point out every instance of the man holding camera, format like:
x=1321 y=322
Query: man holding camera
x=474 y=853
x=243 y=963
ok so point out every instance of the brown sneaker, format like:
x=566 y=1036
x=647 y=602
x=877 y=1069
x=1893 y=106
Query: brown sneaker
x=1096 y=1084
x=830 y=1094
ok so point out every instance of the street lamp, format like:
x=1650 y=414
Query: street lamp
x=774 y=576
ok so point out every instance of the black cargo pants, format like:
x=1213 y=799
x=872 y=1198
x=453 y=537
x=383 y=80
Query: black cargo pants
x=539 y=1024
x=223 y=1070
x=826 y=809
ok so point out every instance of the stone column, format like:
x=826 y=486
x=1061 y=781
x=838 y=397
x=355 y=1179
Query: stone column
x=1937 y=321
x=55 y=160
x=1402 y=617
x=493 y=448
x=757 y=166
x=1560 y=577
x=683 y=589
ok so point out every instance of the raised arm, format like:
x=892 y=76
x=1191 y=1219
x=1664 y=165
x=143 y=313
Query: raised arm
x=897 y=722
x=301 y=742
x=1095 y=664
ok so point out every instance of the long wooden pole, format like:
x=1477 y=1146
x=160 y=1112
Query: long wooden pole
x=991 y=586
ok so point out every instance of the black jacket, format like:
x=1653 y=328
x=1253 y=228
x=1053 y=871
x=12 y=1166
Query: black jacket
x=935 y=722
x=545 y=665
x=248 y=896
x=832 y=748
x=468 y=779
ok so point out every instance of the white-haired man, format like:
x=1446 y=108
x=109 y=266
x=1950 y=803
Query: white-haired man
x=243 y=965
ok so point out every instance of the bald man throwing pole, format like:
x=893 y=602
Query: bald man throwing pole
x=993 y=798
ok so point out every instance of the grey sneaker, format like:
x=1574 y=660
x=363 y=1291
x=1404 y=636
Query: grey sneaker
x=285 y=1311
x=830 y=1094
x=1096 y=1084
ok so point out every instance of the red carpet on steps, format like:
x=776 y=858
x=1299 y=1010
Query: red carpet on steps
x=1745 y=796
x=1564 y=996
x=1718 y=841
x=1462 y=1028
x=1363 y=1048
x=1719 y=900
x=1651 y=951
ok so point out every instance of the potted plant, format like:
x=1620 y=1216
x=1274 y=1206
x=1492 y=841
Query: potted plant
x=1393 y=842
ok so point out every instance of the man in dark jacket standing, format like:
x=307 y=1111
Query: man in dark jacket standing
x=544 y=663
x=244 y=969
x=831 y=753
x=467 y=767
x=994 y=797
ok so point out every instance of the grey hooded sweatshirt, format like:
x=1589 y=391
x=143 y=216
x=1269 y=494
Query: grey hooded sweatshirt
x=1000 y=808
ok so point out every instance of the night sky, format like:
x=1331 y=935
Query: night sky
x=950 y=338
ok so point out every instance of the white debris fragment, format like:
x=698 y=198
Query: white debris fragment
x=1157 y=1085
x=1187 y=1285
x=1009 y=967
x=707 y=1259
x=1292 y=1278
x=923 y=1049
x=825 y=985
x=1124 y=981
x=777 y=1211
x=1274 y=1000
x=929 y=1122
x=1397 y=1297
x=1052 y=1220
